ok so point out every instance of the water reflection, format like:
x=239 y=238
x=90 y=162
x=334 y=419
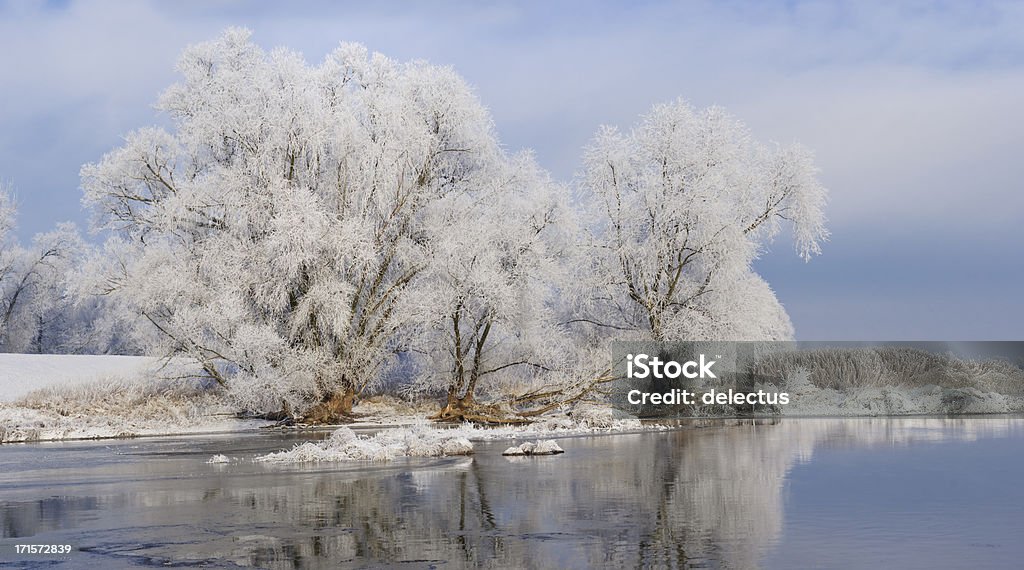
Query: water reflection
x=708 y=495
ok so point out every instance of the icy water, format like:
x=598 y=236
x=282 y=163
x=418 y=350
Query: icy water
x=801 y=493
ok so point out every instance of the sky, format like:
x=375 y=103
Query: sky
x=912 y=109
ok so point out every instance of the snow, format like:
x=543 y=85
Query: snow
x=23 y=373
x=431 y=440
x=548 y=447
x=56 y=397
x=900 y=401
x=22 y=425
x=345 y=445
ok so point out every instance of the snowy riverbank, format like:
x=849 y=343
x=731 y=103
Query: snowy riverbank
x=58 y=397
x=21 y=374
x=47 y=397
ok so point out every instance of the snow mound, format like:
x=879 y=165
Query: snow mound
x=345 y=445
x=220 y=458
x=548 y=447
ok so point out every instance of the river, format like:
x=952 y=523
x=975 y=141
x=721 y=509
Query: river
x=790 y=493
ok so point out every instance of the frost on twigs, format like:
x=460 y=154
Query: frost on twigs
x=345 y=445
x=547 y=447
x=599 y=416
x=894 y=381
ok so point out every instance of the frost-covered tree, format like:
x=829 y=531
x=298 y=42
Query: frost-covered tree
x=32 y=291
x=683 y=204
x=42 y=307
x=300 y=226
x=278 y=231
x=9 y=254
x=36 y=313
x=491 y=283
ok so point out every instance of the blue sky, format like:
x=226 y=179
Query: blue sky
x=913 y=111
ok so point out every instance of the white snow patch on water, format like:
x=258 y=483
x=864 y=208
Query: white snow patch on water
x=432 y=440
x=345 y=445
x=548 y=447
x=583 y=421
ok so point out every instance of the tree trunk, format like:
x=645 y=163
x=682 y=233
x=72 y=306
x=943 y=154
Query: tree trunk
x=335 y=408
x=466 y=409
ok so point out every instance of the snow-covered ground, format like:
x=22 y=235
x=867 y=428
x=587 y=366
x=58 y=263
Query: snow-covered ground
x=344 y=444
x=54 y=397
x=51 y=397
x=23 y=373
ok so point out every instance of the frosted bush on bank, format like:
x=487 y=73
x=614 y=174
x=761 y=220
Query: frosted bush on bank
x=894 y=381
x=811 y=400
